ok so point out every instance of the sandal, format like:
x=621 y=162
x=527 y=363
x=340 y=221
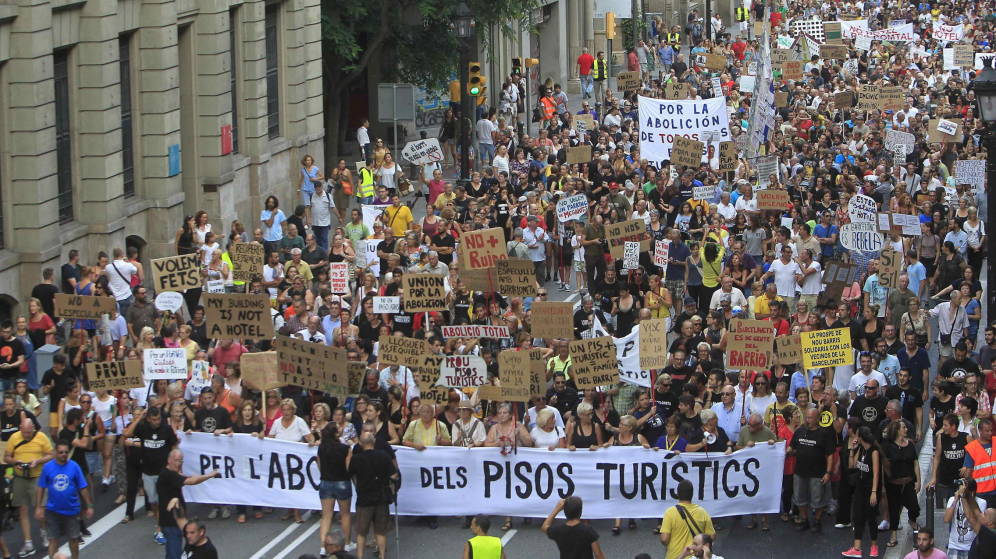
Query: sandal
x=765 y=527
x=892 y=543
x=632 y=524
x=241 y=519
x=506 y=526
x=258 y=515
x=750 y=525
x=125 y=520
x=785 y=517
x=615 y=530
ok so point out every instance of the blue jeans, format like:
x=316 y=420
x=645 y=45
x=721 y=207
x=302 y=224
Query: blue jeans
x=587 y=85
x=124 y=304
x=321 y=236
x=174 y=541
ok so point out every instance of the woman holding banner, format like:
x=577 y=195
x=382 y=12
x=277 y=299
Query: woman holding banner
x=335 y=487
x=507 y=434
x=627 y=436
x=290 y=427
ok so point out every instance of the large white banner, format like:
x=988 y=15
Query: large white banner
x=455 y=481
x=858 y=29
x=661 y=120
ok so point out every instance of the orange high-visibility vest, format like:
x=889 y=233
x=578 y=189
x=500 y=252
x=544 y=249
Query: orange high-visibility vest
x=549 y=108
x=984 y=470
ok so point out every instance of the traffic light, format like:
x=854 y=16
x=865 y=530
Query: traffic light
x=516 y=66
x=530 y=62
x=610 y=25
x=475 y=81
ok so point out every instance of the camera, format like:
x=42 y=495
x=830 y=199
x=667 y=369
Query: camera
x=969 y=484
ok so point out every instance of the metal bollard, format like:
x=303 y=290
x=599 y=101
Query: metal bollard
x=929 y=508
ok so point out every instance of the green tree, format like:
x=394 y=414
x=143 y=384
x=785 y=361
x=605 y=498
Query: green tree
x=409 y=40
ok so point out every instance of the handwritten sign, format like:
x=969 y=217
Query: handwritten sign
x=964 y=55
x=862 y=208
x=421 y=152
x=424 y=292
x=475 y=331
x=970 y=171
x=628 y=81
x=515 y=372
x=772 y=199
x=516 y=277
x=310 y=365
x=661 y=250
x=728 y=156
x=827 y=348
x=676 y=90
x=583 y=123
x=781 y=99
x=618 y=233
x=750 y=344
x=397 y=350
x=937 y=135
x=482 y=248
x=176 y=273
x=715 y=62
x=83 y=306
x=572 y=207
x=792 y=70
x=631 y=255
x=578 y=154
x=686 y=151
x=233 y=316
x=890 y=98
x=947 y=127
x=551 y=319
x=247 y=261
x=788 y=349
x=339 y=278
x=168 y=301
x=463 y=371
x=387 y=304
x=356 y=371
x=703 y=192
x=115 y=375
x=833 y=52
x=843 y=100
x=653 y=344
x=166 y=363
x=861 y=236
x=594 y=362
x=868 y=97
x=261 y=370
x=890 y=263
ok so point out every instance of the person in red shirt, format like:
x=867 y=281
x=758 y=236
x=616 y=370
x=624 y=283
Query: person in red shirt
x=584 y=72
x=739 y=48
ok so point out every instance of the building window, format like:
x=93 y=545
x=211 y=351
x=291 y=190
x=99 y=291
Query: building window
x=233 y=50
x=273 y=71
x=63 y=135
x=127 y=132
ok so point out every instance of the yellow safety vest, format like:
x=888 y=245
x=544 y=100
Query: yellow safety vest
x=485 y=547
x=598 y=69
x=366 y=189
x=674 y=38
x=742 y=14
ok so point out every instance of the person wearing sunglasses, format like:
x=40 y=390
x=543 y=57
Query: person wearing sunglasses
x=869 y=407
x=860 y=378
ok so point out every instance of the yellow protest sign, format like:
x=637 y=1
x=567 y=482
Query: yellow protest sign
x=827 y=348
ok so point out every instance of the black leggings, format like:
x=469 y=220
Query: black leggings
x=862 y=512
x=787 y=493
x=134 y=473
x=845 y=495
x=901 y=495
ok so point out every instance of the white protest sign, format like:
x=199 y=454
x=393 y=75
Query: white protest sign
x=861 y=236
x=421 y=152
x=631 y=255
x=909 y=223
x=786 y=222
x=862 y=208
x=215 y=286
x=370 y=214
x=947 y=127
x=572 y=207
x=703 y=192
x=894 y=138
x=200 y=376
x=369 y=248
x=169 y=301
x=661 y=251
x=662 y=120
x=863 y=42
x=276 y=473
x=167 y=363
x=970 y=171
x=943 y=32
x=475 y=331
x=463 y=371
x=766 y=167
x=339 y=278
x=387 y=304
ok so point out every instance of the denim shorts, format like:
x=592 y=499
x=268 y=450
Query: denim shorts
x=338 y=490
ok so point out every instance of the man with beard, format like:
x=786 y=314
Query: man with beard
x=959 y=366
x=869 y=407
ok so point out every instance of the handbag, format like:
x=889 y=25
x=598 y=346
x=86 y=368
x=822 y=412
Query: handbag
x=921 y=339
x=946 y=338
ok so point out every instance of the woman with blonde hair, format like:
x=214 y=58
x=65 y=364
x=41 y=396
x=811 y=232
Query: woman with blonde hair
x=146 y=339
x=627 y=436
x=582 y=431
x=291 y=427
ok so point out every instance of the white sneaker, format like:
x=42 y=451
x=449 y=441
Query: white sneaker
x=44 y=537
x=883 y=525
x=840 y=525
x=350 y=547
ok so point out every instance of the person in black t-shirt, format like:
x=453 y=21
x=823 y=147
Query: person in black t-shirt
x=575 y=539
x=909 y=398
x=172 y=507
x=73 y=434
x=372 y=390
x=154 y=439
x=45 y=293
x=870 y=406
x=55 y=382
x=212 y=418
x=443 y=243
x=11 y=417
x=814 y=448
x=198 y=545
x=11 y=354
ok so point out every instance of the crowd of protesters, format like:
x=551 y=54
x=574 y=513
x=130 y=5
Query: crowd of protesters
x=852 y=432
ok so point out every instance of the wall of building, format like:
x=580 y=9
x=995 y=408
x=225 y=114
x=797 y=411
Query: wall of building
x=181 y=79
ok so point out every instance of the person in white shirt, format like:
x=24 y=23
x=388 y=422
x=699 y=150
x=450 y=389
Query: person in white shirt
x=536 y=239
x=785 y=270
x=952 y=325
x=119 y=273
x=273 y=274
x=810 y=279
x=467 y=430
x=530 y=418
x=486 y=128
x=725 y=208
x=363 y=138
x=313 y=333
x=858 y=380
x=727 y=294
x=961 y=536
x=397 y=375
x=322 y=205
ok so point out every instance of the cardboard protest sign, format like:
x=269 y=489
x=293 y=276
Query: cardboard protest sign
x=890 y=263
x=788 y=349
x=772 y=199
x=261 y=370
x=426 y=371
x=514 y=371
x=463 y=371
x=115 y=375
x=781 y=99
x=176 y=273
x=843 y=100
x=833 y=52
x=578 y=154
x=686 y=151
x=935 y=136
x=572 y=207
x=233 y=316
x=715 y=62
x=792 y=70
x=831 y=31
x=339 y=278
x=166 y=363
x=728 y=156
x=676 y=90
x=475 y=331
x=827 y=348
x=313 y=366
x=83 y=306
x=247 y=261
x=583 y=123
x=653 y=344
x=388 y=305
x=516 y=277
x=551 y=319
x=537 y=371
x=355 y=371
x=594 y=362
x=868 y=97
x=891 y=98
x=964 y=55
x=778 y=56
x=749 y=344
x=397 y=350
x=484 y=279
x=424 y=292
x=421 y=152
x=482 y=248
x=628 y=81
x=618 y=233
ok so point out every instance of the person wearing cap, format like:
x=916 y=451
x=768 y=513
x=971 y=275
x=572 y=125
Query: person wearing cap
x=516 y=248
x=690 y=308
x=468 y=431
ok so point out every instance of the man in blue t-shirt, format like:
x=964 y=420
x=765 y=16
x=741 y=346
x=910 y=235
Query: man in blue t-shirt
x=64 y=482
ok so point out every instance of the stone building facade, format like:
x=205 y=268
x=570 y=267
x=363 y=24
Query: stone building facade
x=120 y=117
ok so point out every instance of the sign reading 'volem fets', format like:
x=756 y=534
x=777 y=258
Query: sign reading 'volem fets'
x=176 y=273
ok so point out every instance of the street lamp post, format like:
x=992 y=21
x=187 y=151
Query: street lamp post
x=985 y=98
x=464 y=26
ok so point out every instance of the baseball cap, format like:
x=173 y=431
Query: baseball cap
x=690 y=301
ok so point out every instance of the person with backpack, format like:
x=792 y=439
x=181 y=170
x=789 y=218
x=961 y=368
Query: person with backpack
x=683 y=522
